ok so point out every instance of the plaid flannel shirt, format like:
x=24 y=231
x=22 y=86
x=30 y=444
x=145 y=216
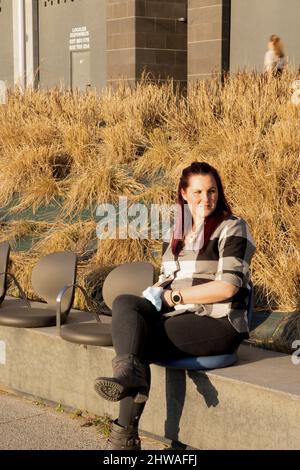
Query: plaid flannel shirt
x=227 y=257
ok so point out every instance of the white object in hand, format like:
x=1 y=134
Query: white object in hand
x=153 y=294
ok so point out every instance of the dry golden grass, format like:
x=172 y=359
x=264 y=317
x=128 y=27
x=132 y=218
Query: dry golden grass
x=17 y=230
x=90 y=149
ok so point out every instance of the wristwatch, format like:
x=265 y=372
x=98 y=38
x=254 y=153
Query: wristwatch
x=176 y=297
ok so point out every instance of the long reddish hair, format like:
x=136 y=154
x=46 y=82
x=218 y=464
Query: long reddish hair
x=277 y=44
x=221 y=212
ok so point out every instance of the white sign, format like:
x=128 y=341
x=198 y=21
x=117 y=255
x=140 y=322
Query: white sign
x=3 y=94
x=79 y=39
x=2 y=353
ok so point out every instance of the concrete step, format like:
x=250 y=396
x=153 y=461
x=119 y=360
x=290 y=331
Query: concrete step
x=254 y=404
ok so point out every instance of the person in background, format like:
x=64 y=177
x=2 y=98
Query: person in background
x=274 y=61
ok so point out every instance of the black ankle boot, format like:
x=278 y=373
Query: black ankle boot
x=130 y=379
x=123 y=438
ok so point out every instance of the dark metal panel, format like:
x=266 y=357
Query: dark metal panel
x=80 y=70
x=226 y=13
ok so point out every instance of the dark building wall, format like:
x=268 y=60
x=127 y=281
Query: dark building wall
x=146 y=35
x=208 y=37
x=253 y=22
x=63 y=25
x=121 y=25
x=6 y=44
x=161 y=40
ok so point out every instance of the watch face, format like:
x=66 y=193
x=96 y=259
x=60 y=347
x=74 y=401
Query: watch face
x=176 y=298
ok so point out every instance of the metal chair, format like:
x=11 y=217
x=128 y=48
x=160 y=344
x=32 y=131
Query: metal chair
x=49 y=275
x=4 y=275
x=4 y=257
x=93 y=333
x=128 y=278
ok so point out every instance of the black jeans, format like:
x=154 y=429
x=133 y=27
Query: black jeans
x=138 y=328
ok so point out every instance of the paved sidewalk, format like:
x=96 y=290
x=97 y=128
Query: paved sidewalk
x=28 y=425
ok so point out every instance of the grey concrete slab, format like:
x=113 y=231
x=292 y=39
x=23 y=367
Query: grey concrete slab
x=25 y=425
x=11 y=411
x=263 y=368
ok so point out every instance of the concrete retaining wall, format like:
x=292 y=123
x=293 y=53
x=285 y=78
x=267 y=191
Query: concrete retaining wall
x=252 y=405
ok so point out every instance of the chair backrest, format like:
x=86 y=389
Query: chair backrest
x=51 y=274
x=129 y=278
x=4 y=257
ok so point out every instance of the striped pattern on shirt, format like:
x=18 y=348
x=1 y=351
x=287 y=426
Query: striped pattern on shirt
x=227 y=257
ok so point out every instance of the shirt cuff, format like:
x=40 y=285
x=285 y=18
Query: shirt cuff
x=230 y=278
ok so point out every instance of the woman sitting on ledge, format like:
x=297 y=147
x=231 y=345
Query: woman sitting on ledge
x=205 y=297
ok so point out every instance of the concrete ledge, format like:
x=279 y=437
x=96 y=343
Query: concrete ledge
x=252 y=405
